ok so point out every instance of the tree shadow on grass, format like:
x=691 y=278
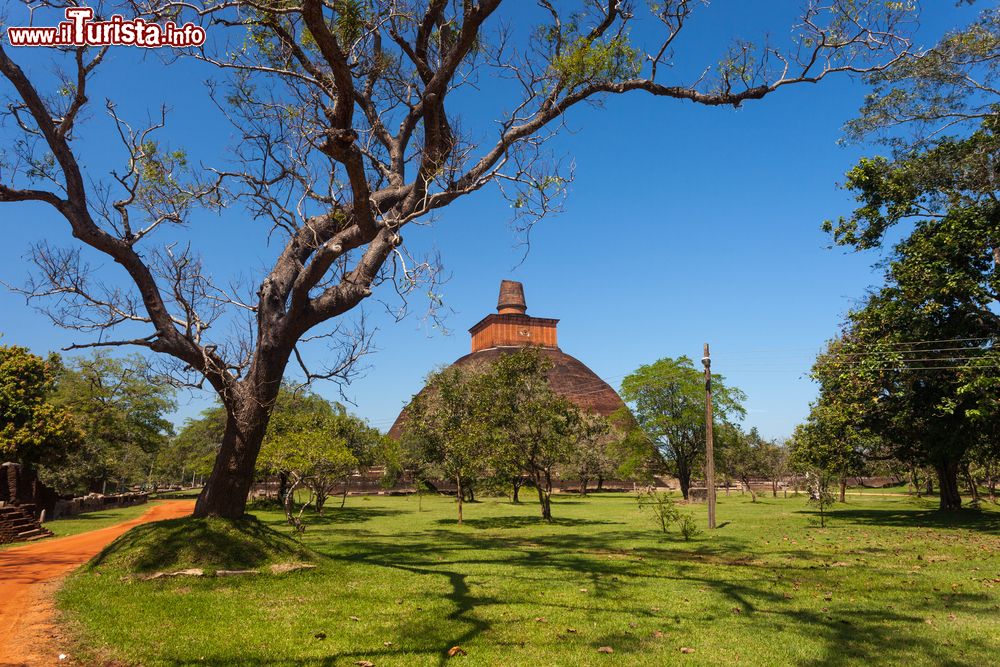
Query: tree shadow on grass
x=204 y=543
x=605 y=561
x=515 y=521
x=967 y=519
x=335 y=514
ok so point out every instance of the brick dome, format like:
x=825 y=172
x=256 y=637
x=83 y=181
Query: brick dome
x=506 y=332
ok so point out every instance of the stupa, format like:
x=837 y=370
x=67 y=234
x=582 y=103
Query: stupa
x=511 y=328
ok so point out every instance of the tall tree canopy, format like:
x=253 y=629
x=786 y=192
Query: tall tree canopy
x=33 y=430
x=668 y=399
x=348 y=129
x=916 y=363
x=122 y=410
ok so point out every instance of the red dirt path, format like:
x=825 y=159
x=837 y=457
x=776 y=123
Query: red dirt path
x=28 y=576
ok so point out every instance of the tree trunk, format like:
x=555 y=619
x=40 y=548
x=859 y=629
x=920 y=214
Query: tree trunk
x=458 y=496
x=225 y=494
x=320 y=500
x=753 y=496
x=774 y=488
x=282 y=484
x=684 y=477
x=543 y=483
x=991 y=483
x=947 y=472
x=583 y=486
x=915 y=480
x=516 y=496
x=843 y=489
x=545 y=502
x=971 y=483
x=600 y=482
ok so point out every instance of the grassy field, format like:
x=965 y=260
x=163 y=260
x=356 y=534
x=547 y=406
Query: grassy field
x=889 y=581
x=82 y=523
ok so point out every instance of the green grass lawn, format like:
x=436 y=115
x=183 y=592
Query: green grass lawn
x=82 y=523
x=889 y=581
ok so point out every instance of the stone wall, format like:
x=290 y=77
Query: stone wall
x=96 y=502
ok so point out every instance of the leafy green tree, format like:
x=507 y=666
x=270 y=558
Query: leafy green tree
x=944 y=90
x=743 y=456
x=122 y=408
x=317 y=446
x=190 y=453
x=919 y=356
x=668 y=400
x=661 y=506
x=537 y=427
x=591 y=457
x=33 y=429
x=348 y=126
x=836 y=437
x=448 y=431
x=775 y=464
x=635 y=455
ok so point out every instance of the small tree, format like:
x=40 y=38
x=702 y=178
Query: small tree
x=668 y=399
x=448 y=431
x=536 y=426
x=306 y=443
x=820 y=495
x=661 y=506
x=590 y=457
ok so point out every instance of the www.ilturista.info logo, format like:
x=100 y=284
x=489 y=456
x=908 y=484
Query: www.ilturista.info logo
x=80 y=30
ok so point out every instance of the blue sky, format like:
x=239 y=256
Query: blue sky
x=684 y=225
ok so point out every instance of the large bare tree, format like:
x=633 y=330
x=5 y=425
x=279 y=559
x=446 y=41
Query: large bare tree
x=354 y=121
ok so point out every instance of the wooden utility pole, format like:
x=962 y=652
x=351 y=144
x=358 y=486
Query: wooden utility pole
x=709 y=445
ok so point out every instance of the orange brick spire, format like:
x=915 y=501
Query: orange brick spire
x=510 y=326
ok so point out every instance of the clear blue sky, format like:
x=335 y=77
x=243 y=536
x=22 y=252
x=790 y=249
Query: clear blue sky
x=685 y=224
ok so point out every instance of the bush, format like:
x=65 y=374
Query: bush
x=688 y=526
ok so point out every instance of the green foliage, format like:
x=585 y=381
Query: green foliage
x=449 y=430
x=501 y=422
x=121 y=408
x=192 y=451
x=747 y=456
x=579 y=60
x=914 y=368
x=666 y=513
x=661 y=506
x=820 y=495
x=688 y=527
x=537 y=427
x=33 y=430
x=318 y=445
x=668 y=400
x=954 y=80
x=591 y=455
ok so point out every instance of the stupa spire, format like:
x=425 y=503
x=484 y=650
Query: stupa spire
x=511 y=301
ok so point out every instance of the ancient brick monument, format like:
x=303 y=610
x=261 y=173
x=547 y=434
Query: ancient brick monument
x=19 y=517
x=511 y=328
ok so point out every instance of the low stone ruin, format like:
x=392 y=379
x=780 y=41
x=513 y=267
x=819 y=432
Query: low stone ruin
x=19 y=524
